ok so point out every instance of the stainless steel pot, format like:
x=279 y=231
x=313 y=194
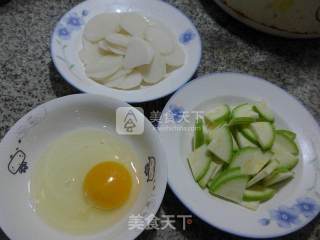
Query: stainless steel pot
x=288 y=18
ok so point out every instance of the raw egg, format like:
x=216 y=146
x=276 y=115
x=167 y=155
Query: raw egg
x=108 y=185
x=86 y=181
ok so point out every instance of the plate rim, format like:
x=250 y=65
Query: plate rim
x=185 y=202
x=143 y=98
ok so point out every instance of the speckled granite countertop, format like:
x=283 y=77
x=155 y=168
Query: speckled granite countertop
x=28 y=77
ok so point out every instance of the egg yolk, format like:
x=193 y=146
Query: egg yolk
x=107 y=185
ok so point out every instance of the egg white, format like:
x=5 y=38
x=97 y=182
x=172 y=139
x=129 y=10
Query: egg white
x=57 y=181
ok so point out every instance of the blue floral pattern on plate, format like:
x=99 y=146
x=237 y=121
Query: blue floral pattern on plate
x=286 y=217
x=85 y=13
x=187 y=37
x=264 y=221
x=63 y=32
x=176 y=113
x=71 y=22
x=307 y=206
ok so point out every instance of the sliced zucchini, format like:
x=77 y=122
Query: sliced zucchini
x=214 y=168
x=209 y=183
x=242 y=155
x=243 y=114
x=248 y=133
x=234 y=144
x=229 y=184
x=264 y=132
x=258 y=194
x=243 y=142
x=207 y=139
x=268 y=154
x=285 y=159
x=250 y=160
x=257 y=155
x=240 y=121
x=199 y=162
x=264 y=173
x=244 y=110
x=232 y=189
x=214 y=178
x=288 y=133
x=224 y=175
x=254 y=165
x=211 y=131
x=206 y=132
x=221 y=144
x=205 y=179
x=198 y=139
x=283 y=142
x=253 y=205
x=278 y=177
x=217 y=115
x=264 y=111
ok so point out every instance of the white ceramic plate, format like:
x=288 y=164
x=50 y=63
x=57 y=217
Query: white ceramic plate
x=66 y=43
x=295 y=205
x=31 y=135
x=261 y=27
